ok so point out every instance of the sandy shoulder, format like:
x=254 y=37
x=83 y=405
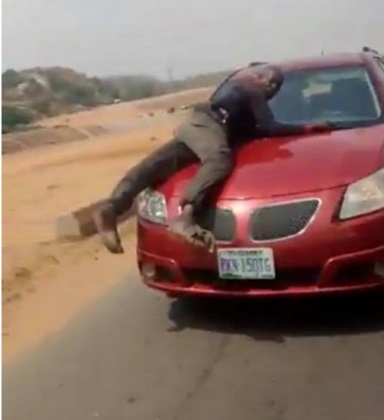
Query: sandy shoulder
x=41 y=288
x=45 y=282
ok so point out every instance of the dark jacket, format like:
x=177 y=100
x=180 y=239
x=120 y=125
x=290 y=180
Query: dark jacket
x=248 y=112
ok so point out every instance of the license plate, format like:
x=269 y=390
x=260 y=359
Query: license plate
x=246 y=263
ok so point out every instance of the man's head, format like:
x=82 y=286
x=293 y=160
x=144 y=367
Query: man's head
x=270 y=78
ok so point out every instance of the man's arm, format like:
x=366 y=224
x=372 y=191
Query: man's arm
x=265 y=119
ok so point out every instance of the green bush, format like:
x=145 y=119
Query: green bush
x=13 y=116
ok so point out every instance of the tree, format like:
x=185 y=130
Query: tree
x=81 y=95
x=10 y=79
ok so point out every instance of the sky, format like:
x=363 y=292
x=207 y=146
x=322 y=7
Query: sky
x=108 y=37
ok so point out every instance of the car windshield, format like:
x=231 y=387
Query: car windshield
x=342 y=95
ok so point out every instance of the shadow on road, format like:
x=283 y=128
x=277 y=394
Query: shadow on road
x=273 y=320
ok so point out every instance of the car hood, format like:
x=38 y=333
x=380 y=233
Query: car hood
x=279 y=166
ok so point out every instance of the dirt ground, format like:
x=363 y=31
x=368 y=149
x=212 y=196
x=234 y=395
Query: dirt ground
x=44 y=281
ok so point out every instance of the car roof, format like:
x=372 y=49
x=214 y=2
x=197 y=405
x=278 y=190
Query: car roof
x=322 y=61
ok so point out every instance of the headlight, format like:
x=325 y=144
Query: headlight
x=364 y=196
x=152 y=206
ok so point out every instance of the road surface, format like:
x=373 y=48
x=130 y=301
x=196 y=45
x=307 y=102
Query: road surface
x=134 y=355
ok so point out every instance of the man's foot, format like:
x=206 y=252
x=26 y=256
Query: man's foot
x=185 y=226
x=106 y=224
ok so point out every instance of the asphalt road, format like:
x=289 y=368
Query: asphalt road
x=134 y=355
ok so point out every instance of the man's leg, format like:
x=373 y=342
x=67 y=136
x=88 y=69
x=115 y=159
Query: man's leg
x=154 y=169
x=208 y=140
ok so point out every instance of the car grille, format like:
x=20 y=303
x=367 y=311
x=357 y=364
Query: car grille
x=220 y=222
x=282 y=220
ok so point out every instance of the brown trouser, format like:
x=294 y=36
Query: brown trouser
x=202 y=138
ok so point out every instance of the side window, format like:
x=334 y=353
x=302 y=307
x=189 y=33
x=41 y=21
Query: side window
x=380 y=63
x=223 y=84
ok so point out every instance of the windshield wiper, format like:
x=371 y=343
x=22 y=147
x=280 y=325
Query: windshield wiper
x=350 y=125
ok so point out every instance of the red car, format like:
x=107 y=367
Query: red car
x=299 y=215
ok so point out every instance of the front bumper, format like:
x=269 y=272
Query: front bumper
x=328 y=257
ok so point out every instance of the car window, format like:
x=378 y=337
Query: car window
x=223 y=85
x=342 y=95
x=380 y=63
